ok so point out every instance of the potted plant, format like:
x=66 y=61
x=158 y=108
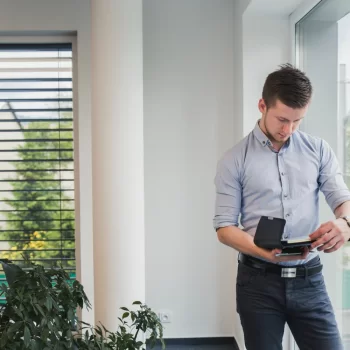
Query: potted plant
x=40 y=314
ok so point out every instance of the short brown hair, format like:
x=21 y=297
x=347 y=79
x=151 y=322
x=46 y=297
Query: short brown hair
x=289 y=85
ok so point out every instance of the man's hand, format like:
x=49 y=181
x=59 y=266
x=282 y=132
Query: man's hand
x=331 y=235
x=271 y=255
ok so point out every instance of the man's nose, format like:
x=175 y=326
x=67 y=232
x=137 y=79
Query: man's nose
x=288 y=128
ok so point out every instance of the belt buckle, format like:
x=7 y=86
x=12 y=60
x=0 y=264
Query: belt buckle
x=289 y=272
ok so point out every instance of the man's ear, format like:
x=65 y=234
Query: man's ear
x=262 y=106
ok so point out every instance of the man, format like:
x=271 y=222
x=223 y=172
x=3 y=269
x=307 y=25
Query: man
x=278 y=171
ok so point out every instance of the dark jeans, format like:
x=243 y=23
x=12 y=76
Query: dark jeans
x=266 y=302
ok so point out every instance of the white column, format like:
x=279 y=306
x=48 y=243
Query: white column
x=118 y=171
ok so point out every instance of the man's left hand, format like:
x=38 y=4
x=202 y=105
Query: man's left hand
x=331 y=235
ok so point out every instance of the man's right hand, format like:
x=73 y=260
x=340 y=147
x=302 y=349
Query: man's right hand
x=271 y=255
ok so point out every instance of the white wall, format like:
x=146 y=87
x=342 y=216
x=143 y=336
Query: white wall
x=193 y=112
x=265 y=46
x=239 y=9
x=52 y=17
x=189 y=120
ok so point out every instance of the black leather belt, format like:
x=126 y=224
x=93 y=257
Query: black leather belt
x=283 y=271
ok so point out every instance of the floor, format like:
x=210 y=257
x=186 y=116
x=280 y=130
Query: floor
x=227 y=343
x=197 y=347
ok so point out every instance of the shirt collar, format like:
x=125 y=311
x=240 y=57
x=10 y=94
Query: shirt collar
x=263 y=139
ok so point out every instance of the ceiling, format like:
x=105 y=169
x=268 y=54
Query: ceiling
x=278 y=8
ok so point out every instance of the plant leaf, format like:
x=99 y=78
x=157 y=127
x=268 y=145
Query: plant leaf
x=48 y=303
x=14 y=327
x=26 y=336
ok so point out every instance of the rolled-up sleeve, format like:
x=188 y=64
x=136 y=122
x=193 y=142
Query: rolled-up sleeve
x=228 y=194
x=330 y=178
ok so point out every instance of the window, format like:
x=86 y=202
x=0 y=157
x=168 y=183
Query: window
x=37 y=214
x=323 y=41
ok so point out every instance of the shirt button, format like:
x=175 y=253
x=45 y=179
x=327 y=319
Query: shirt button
x=285 y=236
x=263 y=142
x=285 y=196
x=282 y=174
x=287 y=215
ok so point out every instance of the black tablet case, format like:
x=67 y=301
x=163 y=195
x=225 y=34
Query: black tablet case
x=269 y=233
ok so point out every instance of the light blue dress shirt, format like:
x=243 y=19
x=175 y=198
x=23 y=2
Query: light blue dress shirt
x=253 y=180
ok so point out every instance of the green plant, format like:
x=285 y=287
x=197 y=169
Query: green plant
x=40 y=309
x=40 y=314
x=126 y=337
